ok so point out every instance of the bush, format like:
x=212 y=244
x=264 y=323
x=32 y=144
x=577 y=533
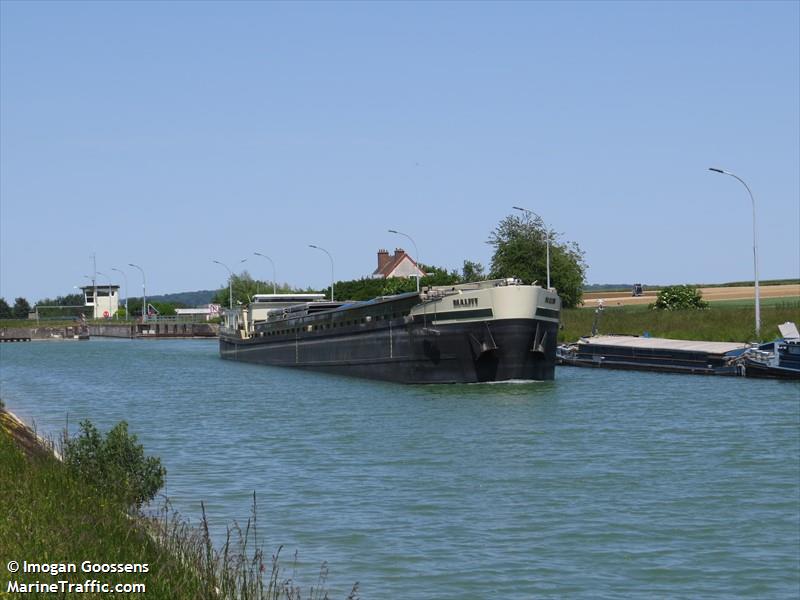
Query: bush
x=679 y=297
x=115 y=465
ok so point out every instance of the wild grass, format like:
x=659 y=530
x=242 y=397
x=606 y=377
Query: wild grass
x=49 y=515
x=719 y=322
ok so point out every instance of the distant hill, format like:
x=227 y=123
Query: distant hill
x=190 y=299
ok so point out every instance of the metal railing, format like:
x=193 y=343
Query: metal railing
x=178 y=319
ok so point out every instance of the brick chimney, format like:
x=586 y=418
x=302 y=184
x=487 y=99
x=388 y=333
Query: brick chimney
x=398 y=253
x=383 y=258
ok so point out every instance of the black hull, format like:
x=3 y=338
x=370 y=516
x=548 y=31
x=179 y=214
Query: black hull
x=644 y=366
x=751 y=368
x=608 y=356
x=498 y=350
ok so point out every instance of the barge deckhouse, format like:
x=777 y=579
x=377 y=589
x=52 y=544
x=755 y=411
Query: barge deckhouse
x=493 y=330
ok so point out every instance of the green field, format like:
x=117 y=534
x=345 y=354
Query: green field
x=728 y=321
x=765 y=302
x=626 y=287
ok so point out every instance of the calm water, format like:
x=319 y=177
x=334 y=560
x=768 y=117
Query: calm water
x=600 y=484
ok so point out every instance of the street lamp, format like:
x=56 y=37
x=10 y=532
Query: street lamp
x=144 y=293
x=331 y=258
x=755 y=248
x=125 y=277
x=416 y=251
x=230 y=283
x=547 y=232
x=274 y=277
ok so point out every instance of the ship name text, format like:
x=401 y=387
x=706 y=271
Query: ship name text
x=461 y=302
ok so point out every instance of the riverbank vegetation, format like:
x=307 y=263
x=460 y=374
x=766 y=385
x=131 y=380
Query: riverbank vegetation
x=721 y=321
x=52 y=513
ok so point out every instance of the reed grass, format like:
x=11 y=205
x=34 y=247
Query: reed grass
x=720 y=322
x=49 y=515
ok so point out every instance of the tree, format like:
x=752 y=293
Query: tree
x=244 y=288
x=5 y=310
x=472 y=271
x=61 y=307
x=135 y=307
x=520 y=250
x=367 y=288
x=679 y=297
x=166 y=309
x=115 y=465
x=68 y=300
x=21 y=308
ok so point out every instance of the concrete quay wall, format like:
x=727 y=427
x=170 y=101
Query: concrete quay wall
x=178 y=330
x=111 y=330
x=114 y=330
x=24 y=334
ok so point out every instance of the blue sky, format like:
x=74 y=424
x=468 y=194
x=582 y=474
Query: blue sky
x=172 y=134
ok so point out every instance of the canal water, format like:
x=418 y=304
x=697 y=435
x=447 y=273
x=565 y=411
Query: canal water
x=600 y=484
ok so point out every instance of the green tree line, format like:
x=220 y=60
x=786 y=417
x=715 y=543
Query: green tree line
x=520 y=251
x=520 y=246
x=20 y=309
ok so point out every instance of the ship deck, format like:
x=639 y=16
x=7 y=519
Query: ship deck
x=649 y=343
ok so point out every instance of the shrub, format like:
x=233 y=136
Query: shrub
x=116 y=464
x=679 y=297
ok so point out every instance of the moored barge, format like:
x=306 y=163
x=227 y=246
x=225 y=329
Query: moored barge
x=779 y=359
x=494 y=330
x=652 y=354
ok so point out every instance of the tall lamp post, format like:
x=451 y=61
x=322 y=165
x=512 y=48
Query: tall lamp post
x=416 y=251
x=274 y=277
x=755 y=248
x=230 y=283
x=331 y=259
x=144 y=293
x=125 y=277
x=547 y=231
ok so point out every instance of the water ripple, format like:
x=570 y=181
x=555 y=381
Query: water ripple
x=601 y=484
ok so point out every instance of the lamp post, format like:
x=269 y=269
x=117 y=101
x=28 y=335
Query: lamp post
x=547 y=238
x=331 y=258
x=230 y=283
x=416 y=251
x=274 y=277
x=755 y=248
x=144 y=292
x=125 y=277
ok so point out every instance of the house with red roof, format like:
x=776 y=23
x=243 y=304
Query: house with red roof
x=398 y=265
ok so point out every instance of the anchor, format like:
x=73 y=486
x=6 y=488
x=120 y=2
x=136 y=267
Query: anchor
x=481 y=347
x=539 y=340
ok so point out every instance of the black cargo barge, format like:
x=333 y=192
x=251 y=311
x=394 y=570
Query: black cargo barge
x=775 y=360
x=492 y=331
x=652 y=354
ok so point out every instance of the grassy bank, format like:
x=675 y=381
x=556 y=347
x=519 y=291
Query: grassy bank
x=50 y=515
x=721 y=322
